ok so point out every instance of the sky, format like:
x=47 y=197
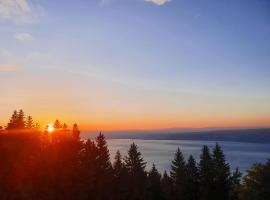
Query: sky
x=136 y=64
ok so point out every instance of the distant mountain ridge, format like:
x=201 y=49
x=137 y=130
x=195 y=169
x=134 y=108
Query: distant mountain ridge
x=254 y=135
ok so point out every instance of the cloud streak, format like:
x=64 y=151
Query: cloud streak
x=9 y=67
x=23 y=37
x=158 y=2
x=20 y=11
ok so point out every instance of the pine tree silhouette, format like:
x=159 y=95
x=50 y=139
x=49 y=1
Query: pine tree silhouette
x=13 y=121
x=21 y=120
x=64 y=126
x=104 y=168
x=192 y=181
x=118 y=165
x=30 y=123
x=154 y=185
x=136 y=170
x=76 y=131
x=57 y=124
x=89 y=169
x=120 y=178
x=206 y=175
x=221 y=174
x=167 y=186
x=178 y=175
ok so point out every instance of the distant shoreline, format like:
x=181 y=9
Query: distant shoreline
x=261 y=135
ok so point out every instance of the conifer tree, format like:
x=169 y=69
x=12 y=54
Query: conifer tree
x=57 y=124
x=118 y=165
x=21 y=120
x=178 y=168
x=13 y=121
x=134 y=161
x=103 y=158
x=206 y=175
x=154 y=185
x=192 y=181
x=179 y=174
x=76 y=132
x=167 y=186
x=120 y=178
x=89 y=169
x=29 y=123
x=104 y=167
x=64 y=127
x=136 y=170
x=221 y=174
x=17 y=121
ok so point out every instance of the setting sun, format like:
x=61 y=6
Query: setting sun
x=50 y=128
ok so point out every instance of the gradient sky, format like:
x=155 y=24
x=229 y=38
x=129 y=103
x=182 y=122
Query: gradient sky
x=136 y=64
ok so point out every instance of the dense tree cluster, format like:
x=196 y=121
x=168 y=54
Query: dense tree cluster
x=19 y=121
x=44 y=165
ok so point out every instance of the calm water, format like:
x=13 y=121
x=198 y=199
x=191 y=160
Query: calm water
x=161 y=152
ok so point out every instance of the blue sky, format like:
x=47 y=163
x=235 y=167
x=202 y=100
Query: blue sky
x=173 y=63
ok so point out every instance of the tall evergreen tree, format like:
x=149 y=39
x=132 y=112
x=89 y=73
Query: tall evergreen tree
x=103 y=158
x=57 y=124
x=76 y=131
x=136 y=170
x=134 y=161
x=17 y=121
x=179 y=174
x=104 y=168
x=167 y=186
x=118 y=165
x=154 y=185
x=192 y=181
x=13 y=121
x=30 y=123
x=64 y=127
x=206 y=175
x=221 y=174
x=120 y=178
x=21 y=120
x=89 y=169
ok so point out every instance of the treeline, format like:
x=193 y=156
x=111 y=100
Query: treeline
x=58 y=165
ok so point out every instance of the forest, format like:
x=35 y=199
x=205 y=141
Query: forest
x=56 y=164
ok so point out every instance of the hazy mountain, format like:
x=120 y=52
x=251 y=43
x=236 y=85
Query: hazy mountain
x=259 y=135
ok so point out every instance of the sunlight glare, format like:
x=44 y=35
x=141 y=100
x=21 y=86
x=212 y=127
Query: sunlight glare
x=50 y=128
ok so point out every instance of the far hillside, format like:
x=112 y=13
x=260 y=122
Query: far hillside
x=260 y=135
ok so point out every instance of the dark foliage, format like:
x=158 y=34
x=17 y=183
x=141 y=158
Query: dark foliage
x=43 y=165
x=154 y=185
x=256 y=184
x=136 y=173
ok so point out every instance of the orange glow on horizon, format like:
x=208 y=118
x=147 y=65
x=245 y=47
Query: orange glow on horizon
x=181 y=124
x=140 y=121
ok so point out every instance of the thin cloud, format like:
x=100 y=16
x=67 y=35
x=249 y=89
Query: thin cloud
x=158 y=2
x=20 y=11
x=9 y=67
x=23 y=37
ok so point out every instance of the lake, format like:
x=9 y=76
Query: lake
x=161 y=152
